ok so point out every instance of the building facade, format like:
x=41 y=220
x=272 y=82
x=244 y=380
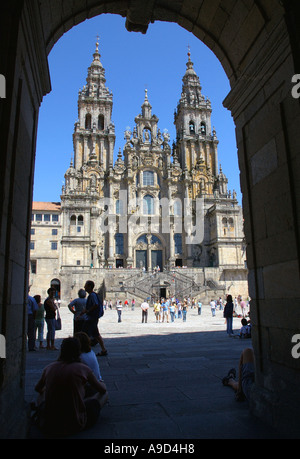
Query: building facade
x=159 y=220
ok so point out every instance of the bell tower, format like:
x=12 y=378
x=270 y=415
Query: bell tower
x=94 y=133
x=196 y=142
x=85 y=180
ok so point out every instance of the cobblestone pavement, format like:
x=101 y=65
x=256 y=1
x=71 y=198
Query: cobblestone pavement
x=163 y=379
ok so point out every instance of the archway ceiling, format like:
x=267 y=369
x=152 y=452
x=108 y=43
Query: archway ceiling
x=232 y=29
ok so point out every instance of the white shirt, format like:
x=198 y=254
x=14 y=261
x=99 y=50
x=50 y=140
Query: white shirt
x=90 y=359
x=145 y=306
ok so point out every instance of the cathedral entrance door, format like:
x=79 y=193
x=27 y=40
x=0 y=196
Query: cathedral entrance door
x=141 y=259
x=156 y=259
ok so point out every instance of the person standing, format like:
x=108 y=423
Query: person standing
x=172 y=311
x=32 y=308
x=119 y=310
x=132 y=304
x=156 y=311
x=39 y=320
x=50 y=309
x=228 y=314
x=165 y=310
x=184 y=310
x=213 y=307
x=92 y=311
x=76 y=307
x=144 y=307
x=199 y=308
x=243 y=307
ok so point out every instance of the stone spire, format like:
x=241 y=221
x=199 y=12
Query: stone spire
x=95 y=86
x=191 y=89
x=146 y=107
x=94 y=133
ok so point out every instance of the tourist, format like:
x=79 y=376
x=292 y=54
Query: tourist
x=50 y=308
x=63 y=408
x=228 y=314
x=199 y=307
x=119 y=310
x=243 y=386
x=132 y=304
x=220 y=304
x=32 y=308
x=243 y=307
x=165 y=310
x=235 y=306
x=156 y=309
x=87 y=355
x=213 y=307
x=92 y=316
x=245 y=331
x=76 y=307
x=179 y=309
x=144 y=307
x=172 y=311
x=184 y=310
x=39 y=321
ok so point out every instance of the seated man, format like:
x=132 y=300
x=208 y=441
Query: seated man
x=64 y=407
x=242 y=387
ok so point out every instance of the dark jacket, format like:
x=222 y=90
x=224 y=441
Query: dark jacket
x=228 y=310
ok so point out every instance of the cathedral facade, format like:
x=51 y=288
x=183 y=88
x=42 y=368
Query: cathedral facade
x=158 y=221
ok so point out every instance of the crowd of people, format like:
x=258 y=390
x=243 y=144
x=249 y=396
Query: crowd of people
x=166 y=310
x=38 y=313
x=71 y=389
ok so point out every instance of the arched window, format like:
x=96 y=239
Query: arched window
x=100 y=122
x=119 y=244
x=142 y=239
x=148 y=178
x=192 y=127
x=155 y=240
x=73 y=220
x=55 y=283
x=178 y=243
x=148 y=205
x=88 y=121
x=203 y=128
x=80 y=220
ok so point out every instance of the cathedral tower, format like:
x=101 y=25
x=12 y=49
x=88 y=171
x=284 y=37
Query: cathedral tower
x=196 y=142
x=85 y=185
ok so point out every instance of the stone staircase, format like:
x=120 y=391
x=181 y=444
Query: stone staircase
x=153 y=285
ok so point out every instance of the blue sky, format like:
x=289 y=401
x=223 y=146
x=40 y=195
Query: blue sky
x=132 y=62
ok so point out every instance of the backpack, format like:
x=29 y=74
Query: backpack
x=100 y=303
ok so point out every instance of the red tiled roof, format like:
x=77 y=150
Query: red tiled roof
x=54 y=206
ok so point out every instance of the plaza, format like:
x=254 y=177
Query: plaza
x=164 y=379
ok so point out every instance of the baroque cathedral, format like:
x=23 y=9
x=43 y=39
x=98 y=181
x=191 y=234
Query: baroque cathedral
x=157 y=221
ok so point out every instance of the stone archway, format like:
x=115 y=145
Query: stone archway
x=257 y=42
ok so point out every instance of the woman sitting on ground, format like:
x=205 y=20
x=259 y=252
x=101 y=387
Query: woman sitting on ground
x=87 y=355
x=64 y=407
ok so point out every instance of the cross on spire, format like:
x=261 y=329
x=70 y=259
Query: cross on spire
x=97 y=43
x=189 y=51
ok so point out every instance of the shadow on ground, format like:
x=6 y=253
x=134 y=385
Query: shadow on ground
x=165 y=386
